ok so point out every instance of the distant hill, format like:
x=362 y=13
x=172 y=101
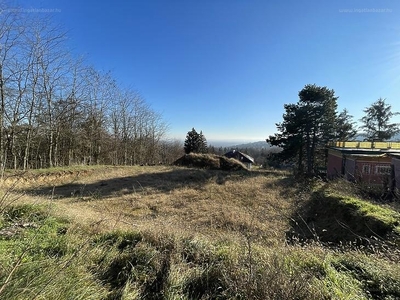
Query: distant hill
x=253 y=145
x=360 y=137
x=239 y=145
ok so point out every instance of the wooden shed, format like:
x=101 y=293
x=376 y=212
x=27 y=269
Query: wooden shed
x=246 y=159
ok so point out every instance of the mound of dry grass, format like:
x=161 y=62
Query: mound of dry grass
x=210 y=161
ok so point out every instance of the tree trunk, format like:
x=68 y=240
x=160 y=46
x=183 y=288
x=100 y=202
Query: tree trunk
x=51 y=147
x=27 y=145
x=300 y=162
x=2 y=112
x=309 y=154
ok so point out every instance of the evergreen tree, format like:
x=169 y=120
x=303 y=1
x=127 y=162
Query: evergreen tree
x=345 y=127
x=203 y=148
x=290 y=138
x=195 y=142
x=376 y=122
x=306 y=128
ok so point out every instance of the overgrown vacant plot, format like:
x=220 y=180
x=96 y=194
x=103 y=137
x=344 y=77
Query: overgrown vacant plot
x=171 y=199
x=182 y=233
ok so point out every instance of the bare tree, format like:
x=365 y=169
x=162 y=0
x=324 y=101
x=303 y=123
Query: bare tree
x=55 y=111
x=170 y=150
x=94 y=125
x=10 y=31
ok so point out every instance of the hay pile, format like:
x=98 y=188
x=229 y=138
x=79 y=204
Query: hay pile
x=210 y=161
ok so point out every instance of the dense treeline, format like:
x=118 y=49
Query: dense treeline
x=57 y=111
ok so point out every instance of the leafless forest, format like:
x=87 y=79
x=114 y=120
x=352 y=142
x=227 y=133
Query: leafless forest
x=56 y=110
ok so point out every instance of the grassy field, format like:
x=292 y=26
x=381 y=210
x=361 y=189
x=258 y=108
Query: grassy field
x=166 y=232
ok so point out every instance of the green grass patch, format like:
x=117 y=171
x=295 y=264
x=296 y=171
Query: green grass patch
x=40 y=259
x=377 y=278
x=337 y=219
x=387 y=216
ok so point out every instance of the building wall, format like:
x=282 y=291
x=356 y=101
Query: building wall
x=373 y=170
x=334 y=166
x=396 y=165
x=350 y=169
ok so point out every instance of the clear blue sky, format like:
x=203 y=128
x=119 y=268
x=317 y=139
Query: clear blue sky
x=227 y=67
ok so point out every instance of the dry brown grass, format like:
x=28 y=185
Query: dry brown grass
x=179 y=233
x=210 y=161
x=168 y=200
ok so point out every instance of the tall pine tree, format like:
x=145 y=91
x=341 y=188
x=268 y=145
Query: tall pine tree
x=376 y=122
x=345 y=127
x=195 y=142
x=203 y=148
x=306 y=128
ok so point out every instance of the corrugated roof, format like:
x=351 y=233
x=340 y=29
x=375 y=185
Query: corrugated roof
x=368 y=155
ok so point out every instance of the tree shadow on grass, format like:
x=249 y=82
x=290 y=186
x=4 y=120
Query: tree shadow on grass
x=159 y=182
x=285 y=181
x=327 y=219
